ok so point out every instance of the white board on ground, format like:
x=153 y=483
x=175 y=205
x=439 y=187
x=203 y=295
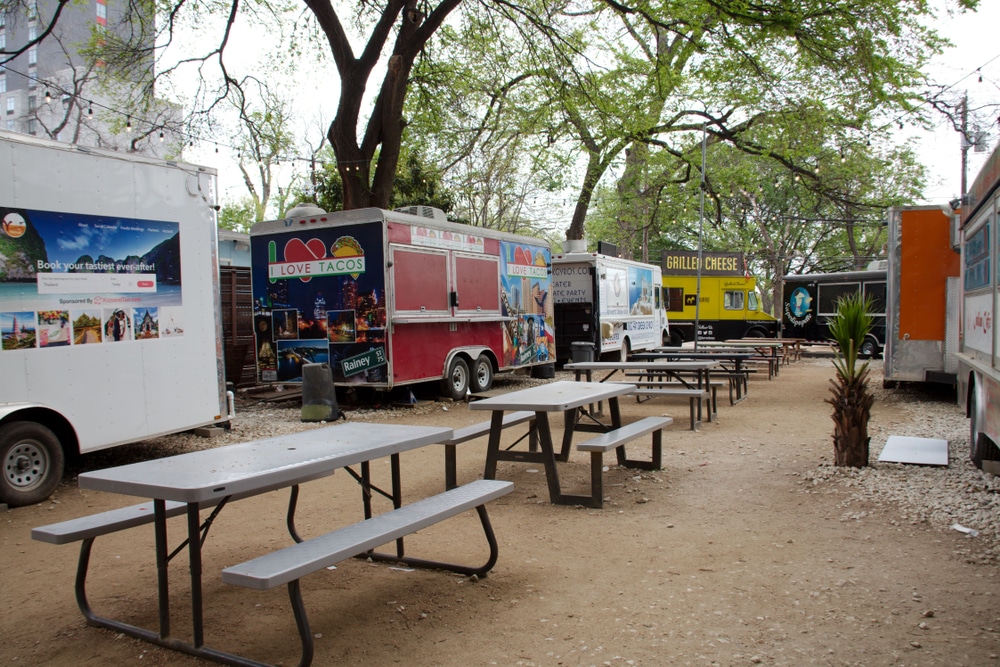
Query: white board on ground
x=922 y=451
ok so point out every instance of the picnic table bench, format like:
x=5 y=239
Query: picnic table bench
x=616 y=439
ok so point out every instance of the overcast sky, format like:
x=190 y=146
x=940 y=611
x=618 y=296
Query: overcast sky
x=976 y=51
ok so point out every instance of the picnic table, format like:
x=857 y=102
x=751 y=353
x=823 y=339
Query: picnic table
x=210 y=479
x=764 y=349
x=791 y=347
x=569 y=398
x=687 y=379
x=731 y=363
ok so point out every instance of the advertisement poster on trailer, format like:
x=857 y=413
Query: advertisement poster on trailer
x=527 y=285
x=72 y=279
x=319 y=297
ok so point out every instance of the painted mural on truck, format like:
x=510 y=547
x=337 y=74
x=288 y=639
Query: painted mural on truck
x=319 y=297
x=72 y=279
x=526 y=285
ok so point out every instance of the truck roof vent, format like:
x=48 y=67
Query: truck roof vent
x=424 y=212
x=878 y=265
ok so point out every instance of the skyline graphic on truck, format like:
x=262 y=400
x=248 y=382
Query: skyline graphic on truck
x=74 y=279
x=526 y=285
x=301 y=319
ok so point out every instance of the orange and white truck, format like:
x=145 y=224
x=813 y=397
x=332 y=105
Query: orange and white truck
x=922 y=295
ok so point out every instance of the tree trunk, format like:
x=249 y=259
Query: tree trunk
x=852 y=404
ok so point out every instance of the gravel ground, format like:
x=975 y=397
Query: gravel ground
x=952 y=497
x=957 y=496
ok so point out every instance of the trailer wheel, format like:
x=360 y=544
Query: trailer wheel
x=32 y=461
x=676 y=339
x=981 y=448
x=869 y=348
x=455 y=384
x=625 y=349
x=482 y=374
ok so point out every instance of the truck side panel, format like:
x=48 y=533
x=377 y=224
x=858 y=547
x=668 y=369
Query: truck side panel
x=320 y=297
x=926 y=260
x=117 y=305
x=922 y=273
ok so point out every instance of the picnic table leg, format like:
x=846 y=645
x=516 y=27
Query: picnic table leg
x=397 y=494
x=570 y=420
x=162 y=562
x=548 y=456
x=194 y=562
x=493 y=448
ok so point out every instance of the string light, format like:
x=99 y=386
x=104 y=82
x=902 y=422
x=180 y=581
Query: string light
x=128 y=124
x=48 y=96
x=161 y=136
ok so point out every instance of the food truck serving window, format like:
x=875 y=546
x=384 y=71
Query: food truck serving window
x=420 y=281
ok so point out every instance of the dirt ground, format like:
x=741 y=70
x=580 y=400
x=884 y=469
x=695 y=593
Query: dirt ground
x=725 y=557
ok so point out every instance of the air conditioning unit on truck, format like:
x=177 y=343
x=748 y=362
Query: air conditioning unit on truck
x=110 y=327
x=391 y=298
x=613 y=304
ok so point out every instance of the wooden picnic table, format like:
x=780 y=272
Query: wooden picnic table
x=731 y=362
x=791 y=347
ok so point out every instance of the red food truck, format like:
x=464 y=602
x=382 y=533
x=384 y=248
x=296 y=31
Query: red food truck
x=392 y=298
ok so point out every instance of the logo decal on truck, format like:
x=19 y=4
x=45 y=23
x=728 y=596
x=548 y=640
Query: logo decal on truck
x=306 y=260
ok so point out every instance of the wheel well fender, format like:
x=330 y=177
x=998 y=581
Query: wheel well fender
x=469 y=354
x=48 y=418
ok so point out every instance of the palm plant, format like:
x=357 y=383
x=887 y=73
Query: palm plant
x=851 y=400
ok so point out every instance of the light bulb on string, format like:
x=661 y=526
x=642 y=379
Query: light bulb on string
x=161 y=136
x=48 y=96
x=128 y=124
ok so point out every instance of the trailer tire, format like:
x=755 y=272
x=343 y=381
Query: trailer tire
x=869 y=348
x=626 y=349
x=676 y=339
x=455 y=384
x=32 y=461
x=482 y=374
x=981 y=448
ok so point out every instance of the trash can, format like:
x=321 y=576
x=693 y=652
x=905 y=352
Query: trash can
x=319 y=396
x=544 y=371
x=581 y=351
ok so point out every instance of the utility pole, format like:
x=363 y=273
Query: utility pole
x=965 y=143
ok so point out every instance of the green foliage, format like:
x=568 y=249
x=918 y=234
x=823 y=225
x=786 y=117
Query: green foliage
x=848 y=329
x=239 y=215
x=415 y=184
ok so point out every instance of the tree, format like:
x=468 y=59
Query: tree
x=239 y=215
x=646 y=78
x=415 y=184
x=264 y=139
x=681 y=65
x=851 y=401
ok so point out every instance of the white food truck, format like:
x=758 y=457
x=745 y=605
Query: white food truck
x=614 y=305
x=110 y=326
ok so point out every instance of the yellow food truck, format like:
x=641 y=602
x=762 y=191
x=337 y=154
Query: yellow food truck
x=730 y=300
